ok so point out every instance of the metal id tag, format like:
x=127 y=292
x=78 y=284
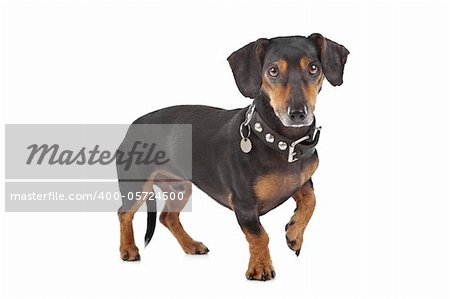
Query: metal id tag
x=246 y=145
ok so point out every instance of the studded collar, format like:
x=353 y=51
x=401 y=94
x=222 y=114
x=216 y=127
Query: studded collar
x=294 y=149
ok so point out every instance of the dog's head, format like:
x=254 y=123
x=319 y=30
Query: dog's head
x=289 y=71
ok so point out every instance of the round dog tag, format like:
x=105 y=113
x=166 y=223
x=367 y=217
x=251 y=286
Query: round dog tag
x=246 y=145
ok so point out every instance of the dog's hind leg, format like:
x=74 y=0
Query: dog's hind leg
x=129 y=191
x=170 y=217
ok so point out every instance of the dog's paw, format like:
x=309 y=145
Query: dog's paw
x=262 y=270
x=129 y=253
x=294 y=236
x=195 y=247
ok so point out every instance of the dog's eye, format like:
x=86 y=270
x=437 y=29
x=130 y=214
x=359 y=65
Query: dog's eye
x=273 y=71
x=313 y=69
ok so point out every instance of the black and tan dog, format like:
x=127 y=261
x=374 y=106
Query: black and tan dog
x=250 y=160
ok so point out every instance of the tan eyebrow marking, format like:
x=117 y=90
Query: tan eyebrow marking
x=304 y=63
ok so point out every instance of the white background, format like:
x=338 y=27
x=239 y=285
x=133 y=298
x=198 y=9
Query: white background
x=381 y=226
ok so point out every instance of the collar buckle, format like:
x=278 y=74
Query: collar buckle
x=292 y=154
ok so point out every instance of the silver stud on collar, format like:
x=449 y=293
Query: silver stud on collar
x=270 y=138
x=258 y=127
x=282 y=145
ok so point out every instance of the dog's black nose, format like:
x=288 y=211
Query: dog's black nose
x=297 y=115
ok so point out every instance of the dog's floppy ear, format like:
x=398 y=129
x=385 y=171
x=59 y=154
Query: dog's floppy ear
x=246 y=64
x=332 y=57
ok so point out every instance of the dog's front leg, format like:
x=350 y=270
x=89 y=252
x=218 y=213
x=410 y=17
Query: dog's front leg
x=306 y=201
x=260 y=264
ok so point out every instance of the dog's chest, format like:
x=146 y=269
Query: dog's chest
x=272 y=188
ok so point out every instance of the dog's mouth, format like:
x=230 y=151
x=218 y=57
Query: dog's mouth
x=288 y=122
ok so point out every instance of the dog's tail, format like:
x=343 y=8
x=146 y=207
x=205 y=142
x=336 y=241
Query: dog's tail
x=151 y=220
